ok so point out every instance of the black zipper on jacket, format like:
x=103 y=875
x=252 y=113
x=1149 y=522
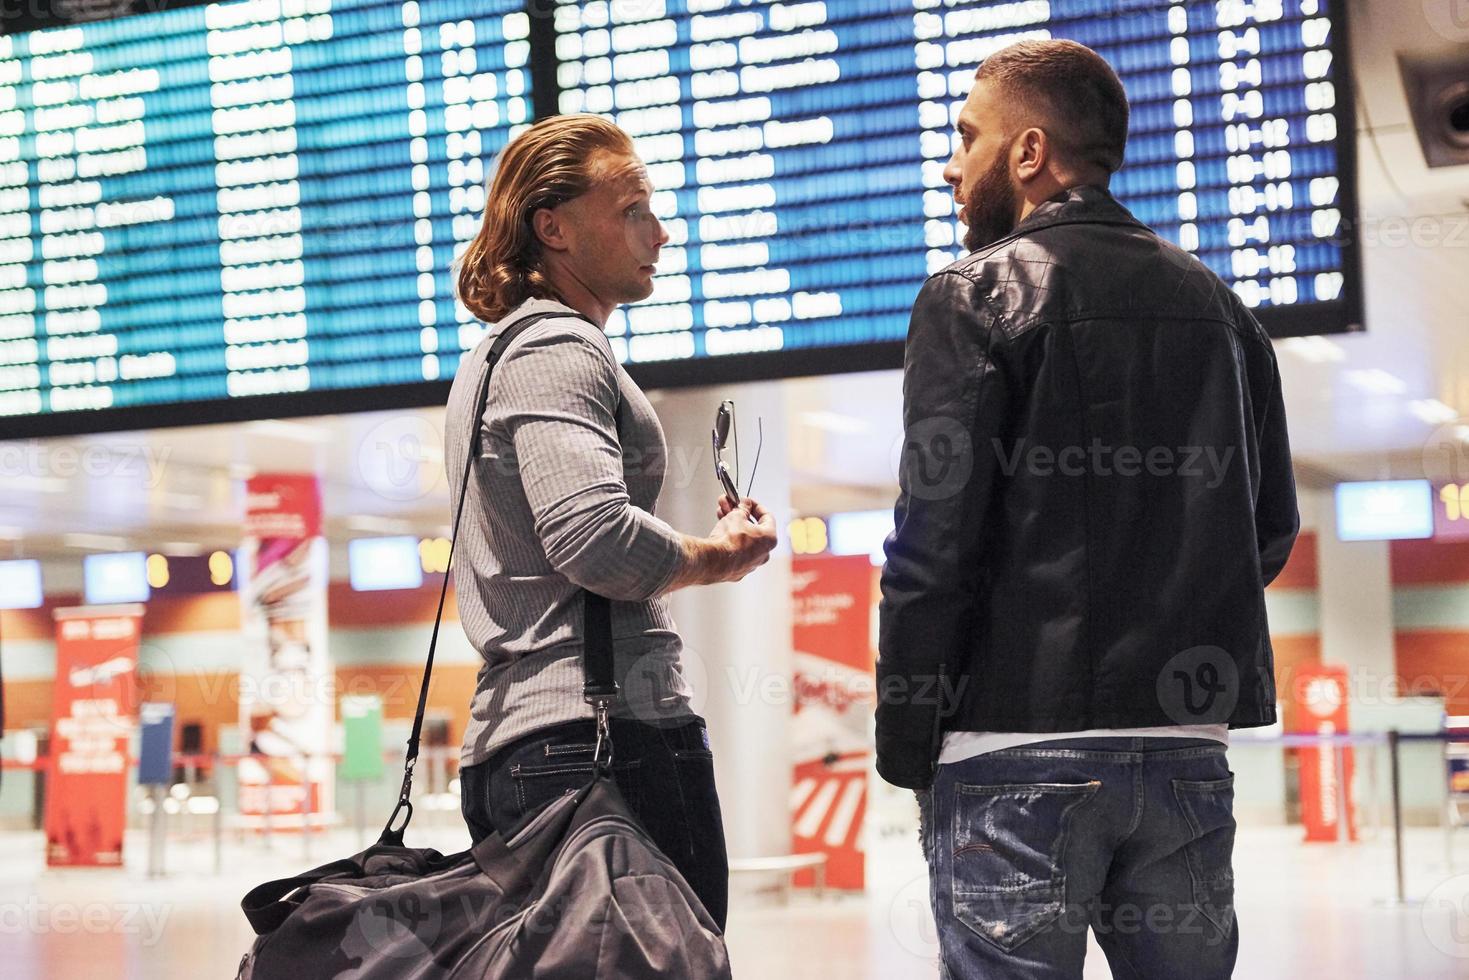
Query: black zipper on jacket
x=938 y=717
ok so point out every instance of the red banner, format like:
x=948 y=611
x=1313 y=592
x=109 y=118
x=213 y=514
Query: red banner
x=282 y=505
x=93 y=715
x=1320 y=696
x=287 y=698
x=832 y=618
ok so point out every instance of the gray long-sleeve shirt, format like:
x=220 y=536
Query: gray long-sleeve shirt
x=561 y=499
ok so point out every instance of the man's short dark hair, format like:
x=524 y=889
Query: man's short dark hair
x=1070 y=86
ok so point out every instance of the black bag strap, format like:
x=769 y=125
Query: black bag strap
x=599 y=687
x=263 y=905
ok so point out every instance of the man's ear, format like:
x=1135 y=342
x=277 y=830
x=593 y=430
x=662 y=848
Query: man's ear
x=550 y=227
x=1033 y=154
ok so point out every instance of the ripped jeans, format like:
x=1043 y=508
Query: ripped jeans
x=1030 y=847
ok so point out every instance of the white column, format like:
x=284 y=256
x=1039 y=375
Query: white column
x=1356 y=599
x=737 y=637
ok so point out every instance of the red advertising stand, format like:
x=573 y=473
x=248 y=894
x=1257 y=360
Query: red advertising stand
x=287 y=694
x=832 y=617
x=1320 y=708
x=93 y=714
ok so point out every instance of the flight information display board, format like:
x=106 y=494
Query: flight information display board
x=251 y=208
x=799 y=148
x=243 y=199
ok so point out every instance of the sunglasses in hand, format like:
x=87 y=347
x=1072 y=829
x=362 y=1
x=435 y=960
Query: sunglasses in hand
x=724 y=425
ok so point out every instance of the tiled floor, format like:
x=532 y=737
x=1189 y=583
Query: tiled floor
x=1306 y=912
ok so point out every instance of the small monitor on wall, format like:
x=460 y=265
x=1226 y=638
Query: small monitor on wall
x=378 y=564
x=860 y=532
x=20 y=584
x=1384 y=510
x=120 y=577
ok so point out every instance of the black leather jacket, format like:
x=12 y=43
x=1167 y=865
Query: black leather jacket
x=1096 y=488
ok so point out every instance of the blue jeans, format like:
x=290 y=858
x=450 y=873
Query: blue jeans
x=665 y=773
x=1029 y=847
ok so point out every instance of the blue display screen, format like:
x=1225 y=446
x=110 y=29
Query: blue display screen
x=20 y=584
x=376 y=564
x=252 y=208
x=1384 y=510
x=119 y=577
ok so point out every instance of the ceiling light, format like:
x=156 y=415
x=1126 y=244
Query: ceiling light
x=94 y=542
x=1432 y=411
x=36 y=484
x=183 y=501
x=1376 y=381
x=295 y=431
x=846 y=425
x=379 y=525
x=1317 y=350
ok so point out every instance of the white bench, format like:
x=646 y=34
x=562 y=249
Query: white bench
x=784 y=864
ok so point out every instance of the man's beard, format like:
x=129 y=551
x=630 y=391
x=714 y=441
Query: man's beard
x=991 y=205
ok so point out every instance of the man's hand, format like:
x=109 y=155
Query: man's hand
x=741 y=542
x=747 y=533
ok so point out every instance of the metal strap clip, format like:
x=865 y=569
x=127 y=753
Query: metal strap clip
x=604 y=738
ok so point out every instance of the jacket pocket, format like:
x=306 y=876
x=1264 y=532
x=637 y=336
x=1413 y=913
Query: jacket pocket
x=1208 y=806
x=1007 y=882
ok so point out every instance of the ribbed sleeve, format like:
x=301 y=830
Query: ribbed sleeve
x=556 y=402
x=561 y=498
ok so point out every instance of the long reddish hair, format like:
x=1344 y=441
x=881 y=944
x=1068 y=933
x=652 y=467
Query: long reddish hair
x=550 y=163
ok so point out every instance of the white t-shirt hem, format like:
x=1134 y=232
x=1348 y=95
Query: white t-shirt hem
x=959 y=746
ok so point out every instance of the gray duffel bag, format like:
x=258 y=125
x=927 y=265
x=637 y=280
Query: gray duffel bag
x=579 y=892
x=576 y=891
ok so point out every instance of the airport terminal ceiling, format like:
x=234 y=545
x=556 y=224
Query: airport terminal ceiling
x=250 y=209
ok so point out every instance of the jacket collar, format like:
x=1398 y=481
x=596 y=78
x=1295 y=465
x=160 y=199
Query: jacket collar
x=1084 y=204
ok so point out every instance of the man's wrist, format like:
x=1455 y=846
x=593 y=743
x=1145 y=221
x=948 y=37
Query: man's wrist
x=715 y=559
x=705 y=561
